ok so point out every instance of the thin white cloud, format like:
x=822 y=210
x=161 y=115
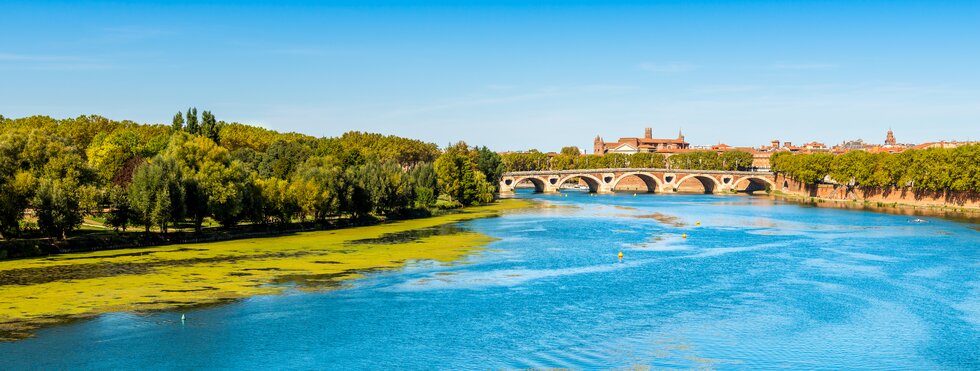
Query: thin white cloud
x=13 y=61
x=723 y=89
x=674 y=67
x=542 y=93
x=804 y=66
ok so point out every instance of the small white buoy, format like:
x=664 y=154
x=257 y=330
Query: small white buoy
x=182 y=318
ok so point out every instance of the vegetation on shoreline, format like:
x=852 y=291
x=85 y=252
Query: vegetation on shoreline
x=198 y=171
x=38 y=292
x=932 y=169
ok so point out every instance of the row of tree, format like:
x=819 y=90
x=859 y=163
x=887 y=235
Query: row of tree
x=53 y=173
x=932 y=169
x=570 y=159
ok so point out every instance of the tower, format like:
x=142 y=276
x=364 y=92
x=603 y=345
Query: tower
x=648 y=133
x=599 y=145
x=890 y=138
x=680 y=135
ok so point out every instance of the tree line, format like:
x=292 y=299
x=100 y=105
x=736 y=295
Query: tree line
x=571 y=159
x=932 y=169
x=54 y=173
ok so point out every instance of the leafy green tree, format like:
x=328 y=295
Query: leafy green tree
x=456 y=177
x=209 y=126
x=56 y=206
x=192 y=126
x=178 y=122
x=354 y=198
x=425 y=185
x=282 y=159
x=459 y=178
x=490 y=164
x=571 y=151
x=647 y=160
x=120 y=215
x=17 y=182
x=617 y=160
x=279 y=204
x=735 y=160
x=388 y=186
x=196 y=202
x=156 y=193
x=16 y=190
x=57 y=201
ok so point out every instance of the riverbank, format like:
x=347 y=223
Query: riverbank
x=60 y=288
x=99 y=237
x=959 y=213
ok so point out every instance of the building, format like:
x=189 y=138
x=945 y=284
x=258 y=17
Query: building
x=891 y=145
x=645 y=144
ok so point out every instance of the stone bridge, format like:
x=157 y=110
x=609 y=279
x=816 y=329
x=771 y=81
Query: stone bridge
x=640 y=180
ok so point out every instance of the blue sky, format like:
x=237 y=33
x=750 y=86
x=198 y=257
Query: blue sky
x=510 y=75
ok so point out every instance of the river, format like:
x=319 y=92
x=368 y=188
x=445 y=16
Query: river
x=756 y=284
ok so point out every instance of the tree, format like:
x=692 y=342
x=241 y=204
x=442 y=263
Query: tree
x=425 y=186
x=209 y=126
x=735 y=160
x=192 y=126
x=490 y=164
x=278 y=203
x=16 y=190
x=57 y=201
x=156 y=193
x=459 y=179
x=455 y=175
x=56 y=206
x=571 y=151
x=646 y=160
x=17 y=182
x=388 y=186
x=120 y=214
x=196 y=202
x=178 y=122
x=282 y=158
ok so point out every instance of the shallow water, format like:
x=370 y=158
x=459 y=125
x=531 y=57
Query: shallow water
x=758 y=284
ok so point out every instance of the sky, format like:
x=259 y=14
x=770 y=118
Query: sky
x=511 y=75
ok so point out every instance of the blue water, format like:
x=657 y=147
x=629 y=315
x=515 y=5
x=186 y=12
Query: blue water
x=758 y=285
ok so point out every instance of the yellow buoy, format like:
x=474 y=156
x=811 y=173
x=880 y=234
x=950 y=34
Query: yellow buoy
x=620 y=254
x=634 y=195
x=697 y=222
x=684 y=235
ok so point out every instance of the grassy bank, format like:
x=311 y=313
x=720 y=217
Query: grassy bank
x=54 y=289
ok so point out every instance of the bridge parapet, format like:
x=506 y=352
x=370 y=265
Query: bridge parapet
x=655 y=180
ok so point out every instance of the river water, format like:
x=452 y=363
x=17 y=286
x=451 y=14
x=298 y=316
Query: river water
x=759 y=284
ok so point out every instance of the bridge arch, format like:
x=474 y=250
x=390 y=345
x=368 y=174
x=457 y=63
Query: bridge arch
x=590 y=180
x=652 y=182
x=750 y=184
x=709 y=183
x=539 y=184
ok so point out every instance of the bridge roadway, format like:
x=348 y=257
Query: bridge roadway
x=656 y=180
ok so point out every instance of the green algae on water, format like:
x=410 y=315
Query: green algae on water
x=56 y=289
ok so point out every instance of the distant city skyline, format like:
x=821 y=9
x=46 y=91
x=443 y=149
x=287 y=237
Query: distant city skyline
x=507 y=74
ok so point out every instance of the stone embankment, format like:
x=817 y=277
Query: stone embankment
x=880 y=197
